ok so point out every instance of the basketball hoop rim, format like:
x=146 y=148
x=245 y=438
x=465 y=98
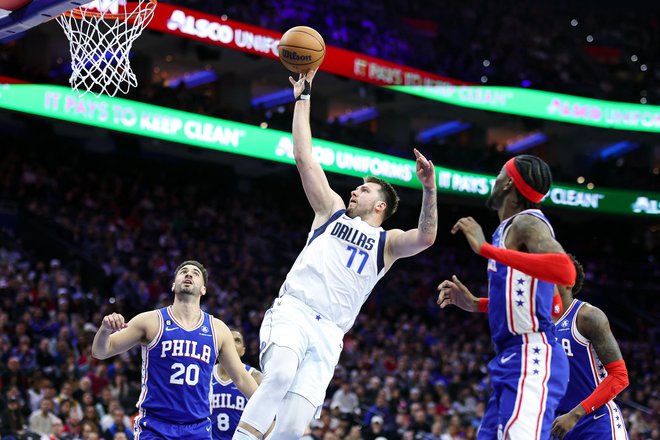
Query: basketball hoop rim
x=142 y=9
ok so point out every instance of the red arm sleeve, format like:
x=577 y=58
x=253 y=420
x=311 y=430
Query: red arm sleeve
x=553 y=268
x=483 y=305
x=557 y=305
x=615 y=382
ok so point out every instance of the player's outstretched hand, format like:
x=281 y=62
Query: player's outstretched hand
x=425 y=170
x=454 y=292
x=299 y=86
x=472 y=231
x=113 y=322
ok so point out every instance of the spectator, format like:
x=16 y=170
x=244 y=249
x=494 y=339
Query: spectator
x=345 y=399
x=376 y=429
x=118 y=426
x=12 y=420
x=41 y=421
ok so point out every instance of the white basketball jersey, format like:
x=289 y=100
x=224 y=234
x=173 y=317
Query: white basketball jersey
x=339 y=266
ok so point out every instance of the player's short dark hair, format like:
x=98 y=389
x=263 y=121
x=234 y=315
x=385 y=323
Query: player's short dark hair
x=579 y=275
x=198 y=265
x=389 y=194
x=536 y=173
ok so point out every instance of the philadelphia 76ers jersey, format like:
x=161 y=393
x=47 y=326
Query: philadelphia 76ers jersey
x=176 y=371
x=519 y=304
x=586 y=372
x=339 y=266
x=227 y=404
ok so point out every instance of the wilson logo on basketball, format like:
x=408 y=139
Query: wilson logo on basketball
x=288 y=54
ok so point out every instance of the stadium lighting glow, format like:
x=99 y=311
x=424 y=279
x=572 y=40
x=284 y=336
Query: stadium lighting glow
x=193 y=79
x=194 y=130
x=544 y=105
x=526 y=143
x=618 y=149
x=358 y=116
x=442 y=130
x=273 y=99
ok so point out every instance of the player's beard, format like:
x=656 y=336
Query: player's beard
x=357 y=211
x=186 y=289
x=495 y=201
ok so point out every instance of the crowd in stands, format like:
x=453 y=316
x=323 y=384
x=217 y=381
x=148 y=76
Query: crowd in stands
x=96 y=234
x=584 y=49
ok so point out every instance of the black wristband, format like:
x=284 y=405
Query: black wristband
x=306 y=93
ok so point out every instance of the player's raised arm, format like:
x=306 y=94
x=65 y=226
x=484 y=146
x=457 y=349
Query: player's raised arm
x=402 y=244
x=539 y=254
x=322 y=198
x=115 y=336
x=230 y=360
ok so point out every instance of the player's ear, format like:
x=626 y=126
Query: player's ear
x=202 y=290
x=381 y=206
x=173 y=284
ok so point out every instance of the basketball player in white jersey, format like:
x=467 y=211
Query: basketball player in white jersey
x=346 y=253
x=180 y=344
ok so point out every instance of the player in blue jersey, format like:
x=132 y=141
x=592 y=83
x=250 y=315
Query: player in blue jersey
x=346 y=253
x=227 y=401
x=598 y=372
x=180 y=344
x=530 y=372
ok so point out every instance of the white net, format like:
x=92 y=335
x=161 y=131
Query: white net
x=101 y=34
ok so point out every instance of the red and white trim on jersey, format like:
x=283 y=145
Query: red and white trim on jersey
x=145 y=359
x=527 y=416
x=567 y=311
x=616 y=421
x=215 y=338
x=136 y=424
x=521 y=302
x=195 y=327
x=145 y=374
x=580 y=339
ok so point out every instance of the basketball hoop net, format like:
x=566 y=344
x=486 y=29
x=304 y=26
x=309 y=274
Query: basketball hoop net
x=101 y=34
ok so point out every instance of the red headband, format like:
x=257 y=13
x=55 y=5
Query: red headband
x=527 y=191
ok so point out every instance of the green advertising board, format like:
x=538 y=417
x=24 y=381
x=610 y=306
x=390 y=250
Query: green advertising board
x=236 y=138
x=544 y=105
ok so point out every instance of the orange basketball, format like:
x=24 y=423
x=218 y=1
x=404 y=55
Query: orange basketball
x=301 y=49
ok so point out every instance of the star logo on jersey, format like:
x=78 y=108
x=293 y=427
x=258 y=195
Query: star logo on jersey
x=205 y=329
